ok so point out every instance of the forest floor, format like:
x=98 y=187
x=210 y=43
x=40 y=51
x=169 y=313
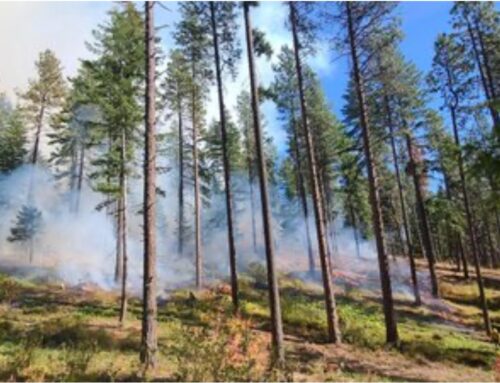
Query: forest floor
x=50 y=332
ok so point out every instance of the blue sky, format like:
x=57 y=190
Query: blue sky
x=64 y=27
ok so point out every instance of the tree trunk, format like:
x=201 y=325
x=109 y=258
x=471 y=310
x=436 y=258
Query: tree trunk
x=330 y=304
x=149 y=343
x=378 y=229
x=302 y=194
x=39 y=123
x=123 y=214
x=119 y=243
x=81 y=166
x=354 y=229
x=272 y=280
x=180 y=239
x=422 y=215
x=250 y=165
x=470 y=225
x=226 y=164
x=197 y=197
x=409 y=244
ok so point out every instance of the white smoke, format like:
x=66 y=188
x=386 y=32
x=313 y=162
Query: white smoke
x=80 y=247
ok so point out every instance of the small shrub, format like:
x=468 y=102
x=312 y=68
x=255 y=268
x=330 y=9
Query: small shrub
x=220 y=354
x=19 y=359
x=9 y=289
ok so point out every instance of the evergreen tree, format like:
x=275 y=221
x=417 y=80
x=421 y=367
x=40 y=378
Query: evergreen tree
x=192 y=37
x=450 y=77
x=176 y=91
x=45 y=94
x=118 y=72
x=226 y=51
x=13 y=140
x=26 y=228
x=272 y=280
x=299 y=23
x=361 y=21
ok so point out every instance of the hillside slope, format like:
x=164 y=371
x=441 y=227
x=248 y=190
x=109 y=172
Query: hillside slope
x=52 y=332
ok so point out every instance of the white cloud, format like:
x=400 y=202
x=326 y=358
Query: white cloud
x=26 y=28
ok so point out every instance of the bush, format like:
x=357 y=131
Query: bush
x=220 y=354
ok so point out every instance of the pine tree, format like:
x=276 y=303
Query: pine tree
x=318 y=201
x=226 y=51
x=192 y=36
x=118 y=72
x=272 y=280
x=149 y=344
x=45 y=94
x=361 y=22
x=450 y=76
x=176 y=89
x=13 y=140
x=26 y=228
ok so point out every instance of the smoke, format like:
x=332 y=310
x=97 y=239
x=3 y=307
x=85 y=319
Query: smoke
x=79 y=247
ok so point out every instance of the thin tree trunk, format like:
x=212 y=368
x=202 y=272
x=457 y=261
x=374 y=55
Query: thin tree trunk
x=123 y=197
x=458 y=238
x=470 y=224
x=409 y=244
x=330 y=304
x=226 y=164
x=180 y=239
x=149 y=344
x=34 y=159
x=302 y=194
x=250 y=165
x=39 y=123
x=119 y=243
x=422 y=215
x=81 y=166
x=272 y=280
x=355 y=229
x=385 y=278
x=197 y=197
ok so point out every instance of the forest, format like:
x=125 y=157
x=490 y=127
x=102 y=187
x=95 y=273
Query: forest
x=155 y=226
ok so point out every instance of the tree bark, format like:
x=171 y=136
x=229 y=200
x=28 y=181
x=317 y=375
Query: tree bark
x=250 y=165
x=385 y=278
x=334 y=334
x=149 y=343
x=119 y=243
x=272 y=280
x=123 y=215
x=302 y=194
x=81 y=166
x=226 y=164
x=180 y=239
x=422 y=214
x=197 y=197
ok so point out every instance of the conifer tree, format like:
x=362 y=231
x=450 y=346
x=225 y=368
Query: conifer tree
x=272 y=280
x=192 y=37
x=149 y=344
x=226 y=51
x=450 y=77
x=361 y=21
x=318 y=200
x=118 y=72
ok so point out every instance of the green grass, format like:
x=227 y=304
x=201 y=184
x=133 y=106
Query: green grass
x=47 y=333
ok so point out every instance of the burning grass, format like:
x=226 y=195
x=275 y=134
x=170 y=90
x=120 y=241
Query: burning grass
x=52 y=333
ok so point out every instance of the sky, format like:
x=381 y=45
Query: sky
x=26 y=28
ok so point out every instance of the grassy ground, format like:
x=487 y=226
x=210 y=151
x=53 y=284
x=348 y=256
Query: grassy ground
x=48 y=332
